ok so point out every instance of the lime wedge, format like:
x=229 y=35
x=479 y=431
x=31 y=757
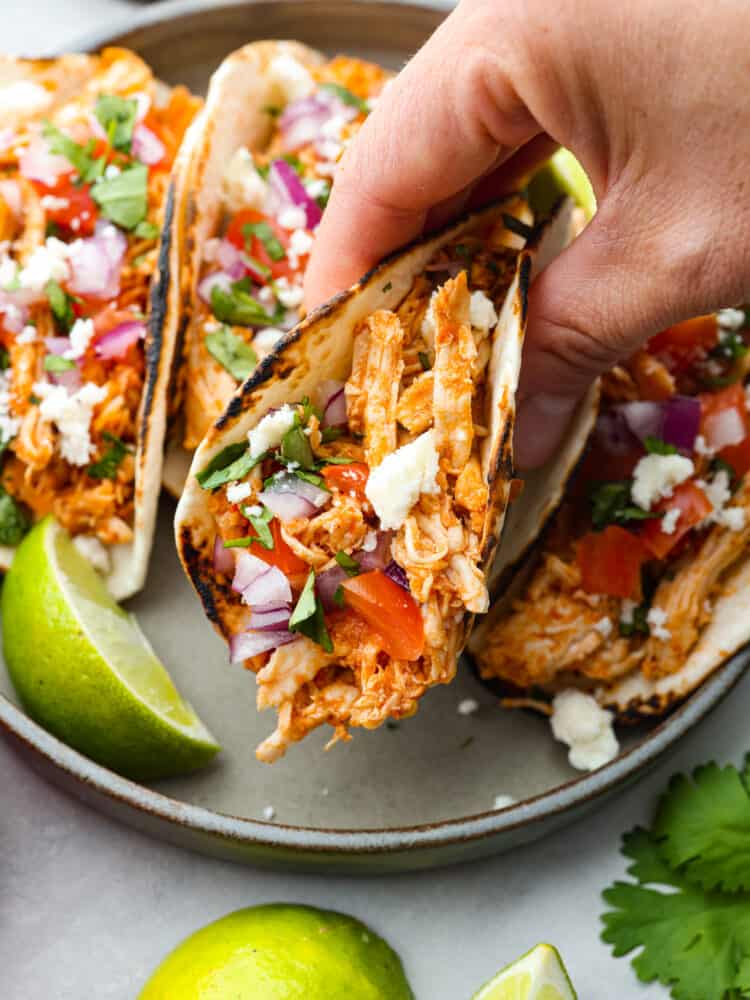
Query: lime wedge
x=561 y=175
x=84 y=670
x=537 y=975
x=279 y=952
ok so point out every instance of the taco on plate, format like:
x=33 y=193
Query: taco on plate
x=340 y=518
x=85 y=368
x=637 y=591
x=255 y=174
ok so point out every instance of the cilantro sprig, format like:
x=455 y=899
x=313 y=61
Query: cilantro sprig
x=347 y=97
x=232 y=352
x=611 y=503
x=232 y=462
x=117 y=116
x=106 y=467
x=308 y=618
x=695 y=936
x=237 y=307
x=124 y=199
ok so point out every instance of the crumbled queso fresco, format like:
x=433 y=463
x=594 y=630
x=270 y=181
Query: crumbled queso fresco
x=580 y=722
x=395 y=485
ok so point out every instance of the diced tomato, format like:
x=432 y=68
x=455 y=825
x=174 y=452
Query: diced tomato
x=78 y=215
x=679 y=346
x=281 y=555
x=390 y=611
x=693 y=505
x=108 y=319
x=738 y=456
x=255 y=247
x=350 y=478
x=610 y=562
x=715 y=403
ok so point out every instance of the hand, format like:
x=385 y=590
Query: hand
x=650 y=95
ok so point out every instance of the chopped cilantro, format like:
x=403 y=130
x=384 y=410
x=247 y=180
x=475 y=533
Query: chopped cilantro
x=731 y=346
x=87 y=168
x=638 y=625
x=55 y=363
x=719 y=465
x=240 y=543
x=466 y=253
x=308 y=618
x=4 y=359
x=309 y=409
x=266 y=235
x=335 y=459
x=516 y=226
x=350 y=566
x=424 y=360
x=117 y=116
x=322 y=198
x=261 y=524
x=611 y=504
x=311 y=477
x=124 y=199
x=52 y=229
x=655 y=446
x=329 y=434
x=237 y=307
x=232 y=353
x=14 y=521
x=106 y=467
x=387 y=287
x=338 y=596
x=294 y=162
x=295 y=447
x=232 y=462
x=146 y=230
x=347 y=97
x=263 y=271
x=61 y=305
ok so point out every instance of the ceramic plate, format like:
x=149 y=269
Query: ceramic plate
x=410 y=795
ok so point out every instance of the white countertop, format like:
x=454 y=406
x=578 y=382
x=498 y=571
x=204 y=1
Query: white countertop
x=88 y=907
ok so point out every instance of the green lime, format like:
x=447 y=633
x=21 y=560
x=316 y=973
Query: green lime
x=281 y=952
x=84 y=670
x=537 y=975
x=562 y=174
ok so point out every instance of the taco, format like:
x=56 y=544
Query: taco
x=85 y=368
x=255 y=174
x=636 y=591
x=340 y=518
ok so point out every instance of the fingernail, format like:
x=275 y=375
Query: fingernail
x=540 y=424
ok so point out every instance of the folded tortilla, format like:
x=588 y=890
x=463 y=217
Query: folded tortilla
x=85 y=321
x=269 y=102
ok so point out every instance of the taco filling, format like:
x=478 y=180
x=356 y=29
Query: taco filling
x=249 y=289
x=653 y=524
x=81 y=205
x=350 y=528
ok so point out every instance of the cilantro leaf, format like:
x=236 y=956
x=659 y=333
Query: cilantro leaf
x=61 y=305
x=655 y=446
x=55 y=363
x=117 y=115
x=308 y=618
x=106 y=467
x=346 y=97
x=295 y=447
x=146 y=230
x=124 y=199
x=350 y=566
x=731 y=346
x=611 y=504
x=261 y=524
x=14 y=521
x=703 y=828
x=232 y=462
x=691 y=941
x=267 y=237
x=639 y=624
x=232 y=353
x=424 y=360
x=237 y=307
x=87 y=168
x=4 y=359
x=338 y=596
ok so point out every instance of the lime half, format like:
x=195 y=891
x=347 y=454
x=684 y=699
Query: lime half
x=84 y=670
x=561 y=175
x=537 y=975
x=281 y=952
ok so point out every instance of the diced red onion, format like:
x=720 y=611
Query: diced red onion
x=302 y=120
x=117 y=342
x=291 y=498
x=71 y=377
x=230 y=260
x=270 y=618
x=37 y=163
x=675 y=421
x=287 y=189
x=724 y=428
x=10 y=192
x=216 y=279
x=223 y=557
x=398 y=574
x=15 y=315
x=326 y=585
x=96 y=262
x=259 y=582
x=57 y=345
x=245 y=645
x=146 y=146
x=378 y=557
x=613 y=434
x=333 y=403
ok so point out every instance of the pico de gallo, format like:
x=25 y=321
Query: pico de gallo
x=81 y=202
x=350 y=526
x=250 y=287
x=653 y=524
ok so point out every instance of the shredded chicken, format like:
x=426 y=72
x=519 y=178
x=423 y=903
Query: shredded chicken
x=455 y=352
x=382 y=379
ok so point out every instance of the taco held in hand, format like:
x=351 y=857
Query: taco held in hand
x=84 y=380
x=256 y=172
x=637 y=594
x=340 y=518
